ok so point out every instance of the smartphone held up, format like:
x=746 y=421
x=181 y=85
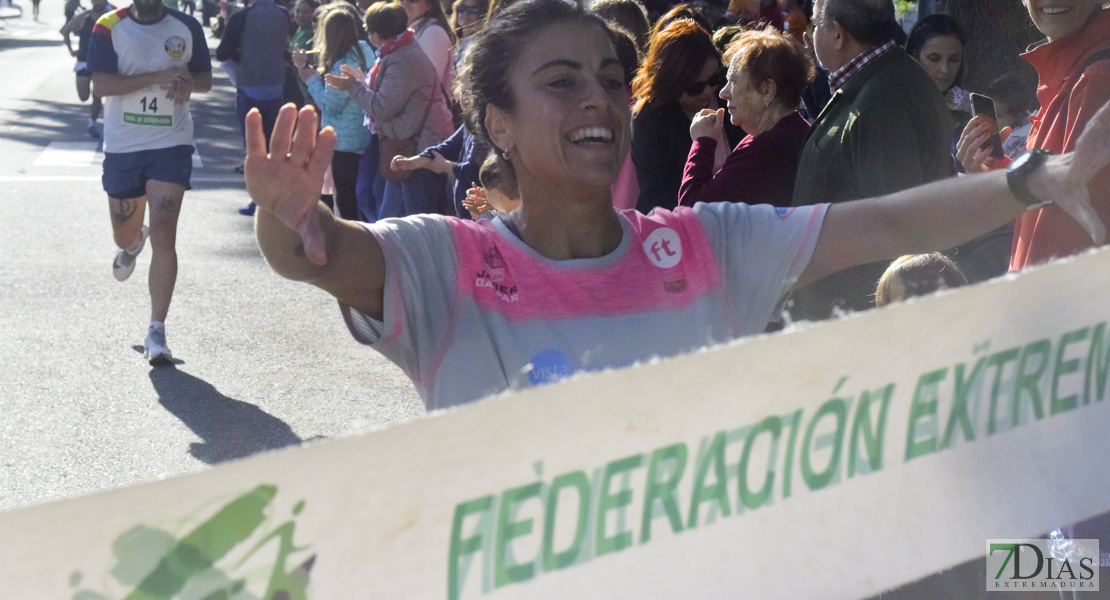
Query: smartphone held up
x=984 y=106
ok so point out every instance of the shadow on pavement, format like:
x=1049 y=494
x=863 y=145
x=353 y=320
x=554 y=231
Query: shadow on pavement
x=6 y=43
x=230 y=428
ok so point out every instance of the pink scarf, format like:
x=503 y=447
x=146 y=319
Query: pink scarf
x=389 y=46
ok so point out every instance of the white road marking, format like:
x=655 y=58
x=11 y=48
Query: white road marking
x=82 y=154
x=68 y=154
x=78 y=178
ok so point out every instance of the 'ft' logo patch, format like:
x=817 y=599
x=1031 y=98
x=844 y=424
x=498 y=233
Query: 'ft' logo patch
x=663 y=248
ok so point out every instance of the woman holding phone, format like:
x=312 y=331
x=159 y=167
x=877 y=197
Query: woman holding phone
x=1073 y=66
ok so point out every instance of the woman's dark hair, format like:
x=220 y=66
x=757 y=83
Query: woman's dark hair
x=916 y=275
x=483 y=78
x=386 y=19
x=631 y=16
x=676 y=56
x=933 y=26
x=435 y=13
x=627 y=52
x=680 y=12
x=770 y=54
x=456 y=29
x=497 y=7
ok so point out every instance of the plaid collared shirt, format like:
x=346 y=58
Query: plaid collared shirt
x=839 y=77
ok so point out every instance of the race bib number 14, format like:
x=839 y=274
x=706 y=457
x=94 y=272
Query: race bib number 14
x=148 y=108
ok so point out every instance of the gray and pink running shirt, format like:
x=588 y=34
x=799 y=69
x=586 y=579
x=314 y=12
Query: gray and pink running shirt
x=471 y=311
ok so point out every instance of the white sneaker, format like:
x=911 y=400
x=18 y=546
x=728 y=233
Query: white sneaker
x=124 y=263
x=156 y=351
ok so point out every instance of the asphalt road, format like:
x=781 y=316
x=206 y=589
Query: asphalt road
x=263 y=362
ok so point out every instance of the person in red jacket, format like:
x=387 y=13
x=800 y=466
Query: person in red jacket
x=1073 y=65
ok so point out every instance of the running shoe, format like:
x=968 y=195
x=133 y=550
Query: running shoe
x=124 y=264
x=156 y=351
x=248 y=210
x=94 y=133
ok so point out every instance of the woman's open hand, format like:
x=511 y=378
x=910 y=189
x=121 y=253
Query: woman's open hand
x=352 y=72
x=286 y=181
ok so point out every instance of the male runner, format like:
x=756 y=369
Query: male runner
x=146 y=60
x=82 y=25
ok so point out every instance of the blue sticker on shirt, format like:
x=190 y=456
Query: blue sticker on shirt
x=548 y=366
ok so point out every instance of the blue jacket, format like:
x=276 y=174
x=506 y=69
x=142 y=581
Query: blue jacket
x=338 y=110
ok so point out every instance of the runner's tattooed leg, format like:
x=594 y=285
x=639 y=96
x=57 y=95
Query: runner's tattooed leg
x=125 y=209
x=167 y=205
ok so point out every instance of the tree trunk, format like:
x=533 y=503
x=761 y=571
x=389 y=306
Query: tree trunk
x=998 y=31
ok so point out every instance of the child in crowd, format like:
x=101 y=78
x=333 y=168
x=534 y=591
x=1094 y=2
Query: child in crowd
x=497 y=194
x=917 y=275
x=1014 y=101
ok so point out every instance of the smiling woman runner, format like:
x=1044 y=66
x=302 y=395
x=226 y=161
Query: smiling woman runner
x=565 y=283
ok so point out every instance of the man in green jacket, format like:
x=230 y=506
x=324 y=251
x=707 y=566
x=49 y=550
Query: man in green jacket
x=884 y=130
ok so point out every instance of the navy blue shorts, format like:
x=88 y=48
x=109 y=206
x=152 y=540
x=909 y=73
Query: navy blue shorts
x=126 y=173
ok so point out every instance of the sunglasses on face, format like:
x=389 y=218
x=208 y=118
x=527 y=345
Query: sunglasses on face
x=466 y=9
x=698 y=86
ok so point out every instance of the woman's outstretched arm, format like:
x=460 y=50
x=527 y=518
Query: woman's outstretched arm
x=300 y=238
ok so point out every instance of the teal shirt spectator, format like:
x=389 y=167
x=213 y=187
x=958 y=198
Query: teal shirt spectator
x=338 y=110
x=302 y=38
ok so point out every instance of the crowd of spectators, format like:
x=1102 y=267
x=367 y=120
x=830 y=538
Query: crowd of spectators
x=789 y=103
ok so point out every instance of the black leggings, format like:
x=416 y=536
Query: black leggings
x=344 y=171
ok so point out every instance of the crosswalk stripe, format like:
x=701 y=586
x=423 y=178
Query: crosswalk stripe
x=67 y=154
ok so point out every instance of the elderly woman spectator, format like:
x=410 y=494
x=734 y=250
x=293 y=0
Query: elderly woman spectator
x=337 y=41
x=680 y=76
x=398 y=95
x=767 y=73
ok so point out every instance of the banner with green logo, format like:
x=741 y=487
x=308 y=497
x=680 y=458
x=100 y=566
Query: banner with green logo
x=837 y=461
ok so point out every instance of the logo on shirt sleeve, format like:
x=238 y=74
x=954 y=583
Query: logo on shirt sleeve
x=663 y=248
x=784 y=212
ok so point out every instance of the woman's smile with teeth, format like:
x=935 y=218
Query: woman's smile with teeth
x=592 y=134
